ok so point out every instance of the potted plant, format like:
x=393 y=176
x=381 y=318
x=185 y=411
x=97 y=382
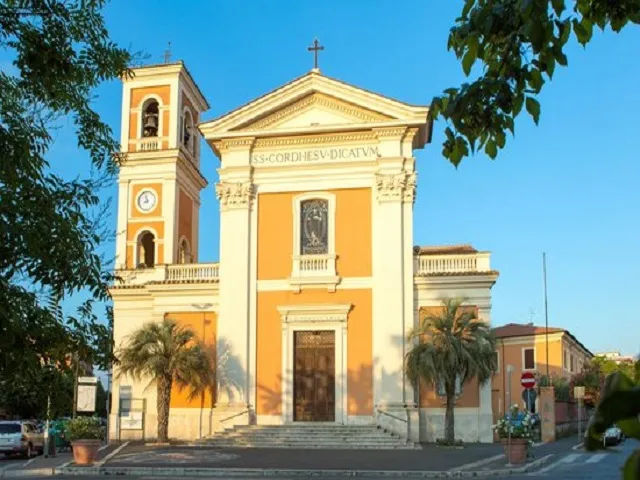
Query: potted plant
x=515 y=432
x=86 y=435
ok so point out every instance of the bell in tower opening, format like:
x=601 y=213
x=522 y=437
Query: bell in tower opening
x=150 y=119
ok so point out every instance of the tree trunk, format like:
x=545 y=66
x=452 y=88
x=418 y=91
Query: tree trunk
x=449 y=432
x=164 y=400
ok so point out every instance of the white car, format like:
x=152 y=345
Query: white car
x=612 y=436
x=20 y=437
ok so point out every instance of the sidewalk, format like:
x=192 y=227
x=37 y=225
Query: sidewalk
x=44 y=466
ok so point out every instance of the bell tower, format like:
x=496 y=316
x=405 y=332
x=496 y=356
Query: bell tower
x=160 y=181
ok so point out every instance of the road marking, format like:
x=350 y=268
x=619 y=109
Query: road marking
x=103 y=447
x=477 y=463
x=567 y=459
x=571 y=458
x=29 y=461
x=596 y=458
x=112 y=454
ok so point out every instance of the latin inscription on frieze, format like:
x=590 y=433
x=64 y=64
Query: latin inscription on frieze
x=315 y=155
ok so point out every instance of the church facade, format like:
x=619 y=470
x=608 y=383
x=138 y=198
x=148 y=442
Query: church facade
x=318 y=283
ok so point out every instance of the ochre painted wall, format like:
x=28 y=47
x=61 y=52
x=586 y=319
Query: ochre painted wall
x=470 y=396
x=205 y=327
x=352 y=227
x=135 y=228
x=359 y=346
x=137 y=94
x=185 y=220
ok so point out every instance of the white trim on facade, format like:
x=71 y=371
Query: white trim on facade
x=315 y=317
x=320 y=269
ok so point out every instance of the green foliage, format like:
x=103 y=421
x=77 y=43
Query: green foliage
x=450 y=346
x=48 y=236
x=517 y=44
x=26 y=395
x=85 y=428
x=166 y=354
x=560 y=386
x=619 y=404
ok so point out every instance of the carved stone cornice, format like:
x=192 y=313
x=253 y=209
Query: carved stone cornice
x=396 y=187
x=314 y=139
x=390 y=132
x=235 y=144
x=235 y=195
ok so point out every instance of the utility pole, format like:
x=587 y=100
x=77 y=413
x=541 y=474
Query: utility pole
x=509 y=370
x=546 y=313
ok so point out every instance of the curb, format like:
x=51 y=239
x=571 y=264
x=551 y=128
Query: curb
x=28 y=472
x=290 y=473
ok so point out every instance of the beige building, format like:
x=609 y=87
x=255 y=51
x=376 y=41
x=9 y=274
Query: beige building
x=318 y=282
x=528 y=348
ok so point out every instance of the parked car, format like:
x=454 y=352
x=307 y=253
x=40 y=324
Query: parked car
x=612 y=436
x=20 y=437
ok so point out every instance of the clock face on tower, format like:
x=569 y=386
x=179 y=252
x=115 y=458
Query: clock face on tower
x=147 y=201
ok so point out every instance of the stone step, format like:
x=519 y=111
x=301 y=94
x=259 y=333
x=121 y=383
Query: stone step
x=307 y=434
x=315 y=436
x=308 y=446
x=308 y=440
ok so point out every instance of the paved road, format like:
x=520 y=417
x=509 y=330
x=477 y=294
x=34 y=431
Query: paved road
x=602 y=465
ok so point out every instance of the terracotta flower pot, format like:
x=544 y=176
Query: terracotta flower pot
x=85 y=451
x=516 y=452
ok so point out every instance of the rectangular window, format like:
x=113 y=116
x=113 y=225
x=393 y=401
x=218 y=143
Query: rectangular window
x=314 y=227
x=496 y=355
x=566 y=360
x=571 y=369
x=125 y=400
x=443 y=393
x=529 y=360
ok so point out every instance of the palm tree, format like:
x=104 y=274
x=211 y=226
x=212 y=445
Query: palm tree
x=168 y=354
x=449 y=347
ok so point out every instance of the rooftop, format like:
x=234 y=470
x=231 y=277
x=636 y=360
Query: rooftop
x=525 y=329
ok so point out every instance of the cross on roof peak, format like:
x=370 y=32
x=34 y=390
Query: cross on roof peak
x=315 y=49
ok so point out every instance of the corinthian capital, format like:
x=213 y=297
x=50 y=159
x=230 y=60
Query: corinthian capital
x=396 y=187
x=234 y=195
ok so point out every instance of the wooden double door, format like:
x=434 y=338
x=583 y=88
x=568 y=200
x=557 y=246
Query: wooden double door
x=314 y=376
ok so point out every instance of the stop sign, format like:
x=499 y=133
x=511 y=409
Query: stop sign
x=527 y=380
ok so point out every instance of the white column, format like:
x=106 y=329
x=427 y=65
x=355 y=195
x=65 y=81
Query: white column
x=408 y=280
x=121 y=228
x=236 y=194
x=388 y=290
x=485 y=416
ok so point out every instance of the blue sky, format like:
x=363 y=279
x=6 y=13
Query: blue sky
x=569 y=187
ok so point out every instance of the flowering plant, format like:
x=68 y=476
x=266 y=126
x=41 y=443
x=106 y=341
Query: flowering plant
x=518 y=423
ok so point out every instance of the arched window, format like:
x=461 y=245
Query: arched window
x=187 y=131
x=150 y=118
x=184 y=251
x=314 y=227
x=146 y=249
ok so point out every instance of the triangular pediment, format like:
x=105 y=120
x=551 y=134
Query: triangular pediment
x=315 y=102
x=313 y=110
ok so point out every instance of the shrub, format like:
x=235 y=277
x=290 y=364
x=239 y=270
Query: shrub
x=85 y=428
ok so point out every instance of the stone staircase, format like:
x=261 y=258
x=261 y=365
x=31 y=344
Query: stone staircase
x=317 y=436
